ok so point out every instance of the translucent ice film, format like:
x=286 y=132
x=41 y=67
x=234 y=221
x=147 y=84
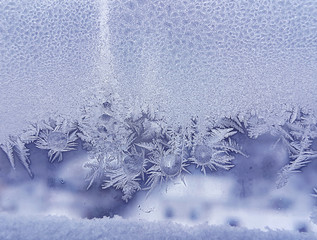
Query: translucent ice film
x=181 y=112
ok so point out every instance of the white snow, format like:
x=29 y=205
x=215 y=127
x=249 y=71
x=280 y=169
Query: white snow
x=52 y=227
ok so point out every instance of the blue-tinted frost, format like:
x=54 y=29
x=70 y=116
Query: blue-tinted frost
x=215 y=58
x=152 y=90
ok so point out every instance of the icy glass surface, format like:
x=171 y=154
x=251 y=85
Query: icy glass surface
x=215 y=58
x=191 y=112
x=49 y=51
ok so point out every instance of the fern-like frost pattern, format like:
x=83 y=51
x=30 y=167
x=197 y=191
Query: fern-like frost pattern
x=137 y=149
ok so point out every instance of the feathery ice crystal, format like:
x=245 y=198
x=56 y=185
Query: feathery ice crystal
x=136 y=149
x=57 y=138
x=128 y=175
x=166 y=165
x=295 y=130
x=213 y=150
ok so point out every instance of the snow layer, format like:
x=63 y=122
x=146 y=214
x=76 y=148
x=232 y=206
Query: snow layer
x=52 y=227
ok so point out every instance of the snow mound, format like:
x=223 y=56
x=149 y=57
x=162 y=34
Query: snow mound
x=52 y=227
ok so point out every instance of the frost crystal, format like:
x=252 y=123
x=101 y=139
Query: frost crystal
x=202 y=154
x=162 y=84
x=133 y=165
x=127 y=175
x=296 y=130
x=57 y=138
x=171 y=165
x=134 y=149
